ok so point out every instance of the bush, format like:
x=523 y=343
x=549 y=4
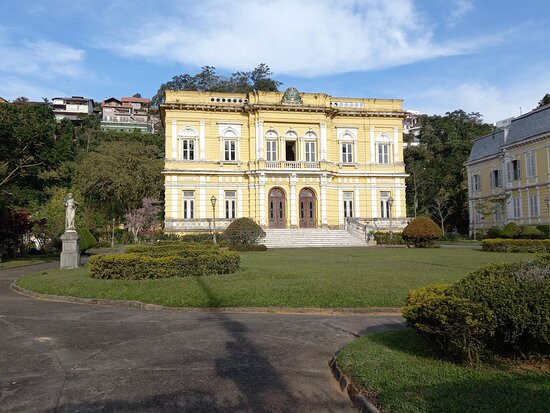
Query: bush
x=422 y=232
x=544 y=229
x=459 y=326
x=87 y=240
x=510 y=230
x=530 y=232
x=203 y=238
x=519 y=296
x=495 y=232
x=243 y=232
x=258 y=247
x=516 y=245
x=385 y=238
x=137 y=266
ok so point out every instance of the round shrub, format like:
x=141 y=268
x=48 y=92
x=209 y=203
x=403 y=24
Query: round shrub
x=510 y=230
x=422 y=232
x=530 y=232
x=494 y=232
x=87 y=240
x=518 y=294
x=243 y=231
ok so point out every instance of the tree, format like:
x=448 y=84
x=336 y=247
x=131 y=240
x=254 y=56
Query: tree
x=14 y=225
x=144 y=218
x=544 y=101
x=136 y=95
x=116 y=176
x=207 y=80
x=438 y=164
x=442 y=207
x=21 y=99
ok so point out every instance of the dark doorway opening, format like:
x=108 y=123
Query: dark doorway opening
x=290 y=150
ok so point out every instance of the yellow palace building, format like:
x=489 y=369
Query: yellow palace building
x=286 y=160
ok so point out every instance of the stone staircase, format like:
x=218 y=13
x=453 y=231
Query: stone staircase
x=311 y=238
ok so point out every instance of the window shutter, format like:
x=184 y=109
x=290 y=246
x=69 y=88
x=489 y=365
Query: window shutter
x=519 y=169
x=509 y=170
x=492 y=180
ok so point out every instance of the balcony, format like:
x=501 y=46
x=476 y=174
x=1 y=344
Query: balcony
x=291 y=165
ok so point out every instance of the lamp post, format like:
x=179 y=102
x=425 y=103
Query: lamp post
x=390 y=203
x=213 y=200
x=548 y=206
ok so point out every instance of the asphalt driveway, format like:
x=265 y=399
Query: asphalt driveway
x=61 y=357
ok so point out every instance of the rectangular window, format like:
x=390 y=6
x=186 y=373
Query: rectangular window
x=514 y=172
x=230 y=150
x=271 y=150
x=347 y=154
x=497 y=213
x=348 y=204
x=531 y=169
x=383 y=153
x=310 y=151
x=476 y=182
x=188 y=204
x=533 y=205
x=188 y=153
x=230 y=204
x=495 y=179
x=516 y=207
x=384 y=205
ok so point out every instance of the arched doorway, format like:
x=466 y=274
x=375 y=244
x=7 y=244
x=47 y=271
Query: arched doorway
x=277 y=208
x=308 y=208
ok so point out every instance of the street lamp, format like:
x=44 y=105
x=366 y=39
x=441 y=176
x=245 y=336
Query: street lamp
x=213 y=200
x=390 y=203
x=548 y=206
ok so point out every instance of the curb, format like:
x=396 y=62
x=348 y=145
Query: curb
x=347 y=385
x=145 y=306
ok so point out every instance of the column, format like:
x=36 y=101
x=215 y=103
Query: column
x=372 y=146
x=262 y=181
x=357 y=204
x=257 y=133
x=323 y=194
x=340 y=208
x=202 y=140
x=395 y=145
x=323 y=143
x=261 y=139
x=374 y=200
x=239 y=212
x=202 y=197
x=174 y=140
x=397 y=197
x=293 y=218
x=221 y=203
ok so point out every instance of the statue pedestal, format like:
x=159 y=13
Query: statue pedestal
x=70 y=254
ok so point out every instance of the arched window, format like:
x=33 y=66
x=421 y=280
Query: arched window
x=310 y=146
x=230 y=145
x=187 y=138
x=347 y=147
x=383 y=148
x=271 y=138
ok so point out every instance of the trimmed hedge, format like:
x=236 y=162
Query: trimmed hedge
x=141 y=266
x=422 y=232
x=385 y=238
x=500 y=308
x=515 y=245
x=258 y=247
x=243 y=232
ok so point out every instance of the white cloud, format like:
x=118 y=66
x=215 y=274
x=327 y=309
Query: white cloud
x=459 y=8
x=494 y=102
x=305 y=38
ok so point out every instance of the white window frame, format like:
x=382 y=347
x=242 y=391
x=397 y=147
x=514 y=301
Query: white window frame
x=346 y=150
x=348 y=204
x=230 y=150
x=188 y=205
x=476 y=182
x=383 y=150
x=531 y=165
x=384 y=204
x=533 y=201
x=496 y=179
x=271 y=150
x=310 y=151
x=188 y=149
x=230 y=198
x=516 y=207
x=514 y=174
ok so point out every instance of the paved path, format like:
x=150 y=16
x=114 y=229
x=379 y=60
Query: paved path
x=61 y=357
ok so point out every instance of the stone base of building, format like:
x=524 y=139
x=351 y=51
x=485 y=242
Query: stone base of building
x=70 y=253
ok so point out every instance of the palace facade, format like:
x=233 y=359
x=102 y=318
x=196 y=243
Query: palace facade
x=509 y=173
x=287 y=160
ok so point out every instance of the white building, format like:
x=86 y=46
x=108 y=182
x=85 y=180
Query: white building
x=71 y=107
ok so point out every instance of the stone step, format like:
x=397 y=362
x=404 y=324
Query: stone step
x=311 y=237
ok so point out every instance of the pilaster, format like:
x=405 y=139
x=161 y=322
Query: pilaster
x=293 y=217
x=174 y=139
x=323 y=143
x=262 y=180
x=202 y=140
x=323 y=194
x=202 y=197
x=395 y=145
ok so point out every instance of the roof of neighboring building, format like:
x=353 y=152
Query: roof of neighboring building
x=531 y=124
x=2 y=100
x=487 y=145
x=109 y=100
x=136 y=100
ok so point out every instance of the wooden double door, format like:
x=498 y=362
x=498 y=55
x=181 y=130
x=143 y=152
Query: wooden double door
x=308 y=208
x=277 y=208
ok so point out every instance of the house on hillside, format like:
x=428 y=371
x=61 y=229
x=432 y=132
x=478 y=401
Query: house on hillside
x=72 y=107
x=287 y=160
x=509 y=173
x=127 y=114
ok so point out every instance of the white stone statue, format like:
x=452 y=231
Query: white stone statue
x=70 y=205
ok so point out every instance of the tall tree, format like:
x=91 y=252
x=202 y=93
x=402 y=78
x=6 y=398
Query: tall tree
x=437 y=177
x=207 y=80
x=544 y=101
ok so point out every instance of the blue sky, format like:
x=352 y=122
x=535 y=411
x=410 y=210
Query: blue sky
x=487 y=56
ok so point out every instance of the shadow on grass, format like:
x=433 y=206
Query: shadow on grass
x=407 y=341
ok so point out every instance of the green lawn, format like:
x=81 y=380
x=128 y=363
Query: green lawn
x=335 y=277
x=22 y=262
x=401 y=369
